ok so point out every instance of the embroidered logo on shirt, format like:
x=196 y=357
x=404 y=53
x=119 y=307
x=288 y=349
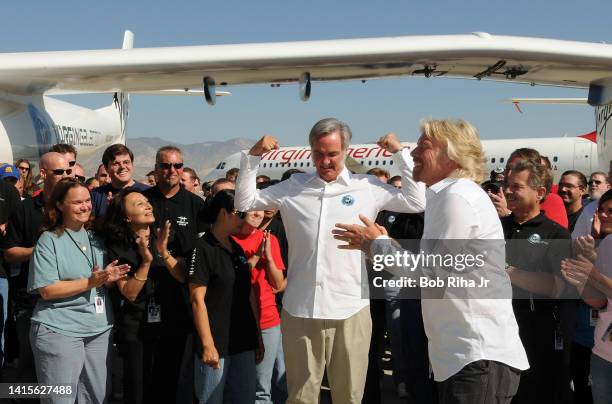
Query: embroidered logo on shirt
x=391 y=219
x=182 y=221
x=348 y=200
x=536 y=239
x=243 y=259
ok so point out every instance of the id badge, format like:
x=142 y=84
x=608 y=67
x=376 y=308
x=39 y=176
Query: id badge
x=99 y=304
x=558 y=341
x=153 y=313
x=593 y=317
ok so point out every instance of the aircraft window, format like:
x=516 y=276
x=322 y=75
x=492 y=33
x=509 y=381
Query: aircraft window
x=391 y=163
x=308 y=164
x=276 y=164
x=501 y=160
x=362 y=162
x=301 y=164
x=493 y=160
x=384 y=162
x=295 y=164
x=264 y=164
x=555 y=159
x=370 y=162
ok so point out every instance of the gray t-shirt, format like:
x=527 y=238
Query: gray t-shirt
x=68 y=257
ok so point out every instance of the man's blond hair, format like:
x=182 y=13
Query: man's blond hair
x=462 y=145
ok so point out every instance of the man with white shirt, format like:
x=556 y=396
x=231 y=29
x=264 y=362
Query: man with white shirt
x=326 y=320
x=474 y=346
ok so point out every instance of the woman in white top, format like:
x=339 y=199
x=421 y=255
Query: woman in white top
x=591 y=273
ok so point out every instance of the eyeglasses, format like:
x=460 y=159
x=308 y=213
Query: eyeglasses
x=61 y=171
x=241 y=215
x=569 y=186
x=80 y=178
x=168 y=166
x=24 y=168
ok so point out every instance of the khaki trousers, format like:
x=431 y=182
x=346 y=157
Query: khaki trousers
x=341 y=346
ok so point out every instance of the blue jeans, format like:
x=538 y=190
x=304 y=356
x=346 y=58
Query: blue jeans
x=271 y=370
x=601 y=376
x=233 y=382
x=4 y=291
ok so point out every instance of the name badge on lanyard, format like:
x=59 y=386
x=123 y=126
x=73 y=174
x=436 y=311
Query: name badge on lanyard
x=153 y=312
x=99 y=304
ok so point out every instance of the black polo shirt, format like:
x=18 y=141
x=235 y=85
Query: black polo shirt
x=185 y=211
x=161 y=289
x=538 y=245
x=572 y=218
x=227 y=279
x=23 y=231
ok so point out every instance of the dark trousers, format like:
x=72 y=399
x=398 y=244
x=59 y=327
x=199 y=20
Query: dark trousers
x=480 y=382
x=580 y=369
x=26 y=372
x=371 y=393
x=420 y=387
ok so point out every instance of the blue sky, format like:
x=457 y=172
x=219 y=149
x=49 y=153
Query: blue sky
x=371 y=110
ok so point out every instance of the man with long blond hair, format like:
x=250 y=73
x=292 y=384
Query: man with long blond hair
x=474 y=346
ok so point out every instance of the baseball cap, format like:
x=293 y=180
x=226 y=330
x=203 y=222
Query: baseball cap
x=8 y=171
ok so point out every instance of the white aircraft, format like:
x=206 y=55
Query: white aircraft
x=565 y=153
x=31 y=121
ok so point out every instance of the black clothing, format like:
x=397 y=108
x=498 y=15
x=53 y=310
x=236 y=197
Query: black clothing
x=23 y=231
x=152 y=350
x=9 y=200
x=572 y=218
x=482 y=381
x=99 y=202
x=539 y=245
x=227 y=279
x=186 y=214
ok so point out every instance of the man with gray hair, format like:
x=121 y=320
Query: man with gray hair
x=326 y=319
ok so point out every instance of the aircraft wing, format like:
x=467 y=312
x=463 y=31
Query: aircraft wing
x=477 y=56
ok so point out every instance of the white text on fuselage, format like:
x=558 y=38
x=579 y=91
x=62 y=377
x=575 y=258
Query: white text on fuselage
x=76 y=136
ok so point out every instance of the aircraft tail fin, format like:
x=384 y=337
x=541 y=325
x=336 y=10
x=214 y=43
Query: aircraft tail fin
x=121 y=100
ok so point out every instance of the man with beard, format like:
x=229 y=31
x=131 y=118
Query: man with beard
x=572 y=186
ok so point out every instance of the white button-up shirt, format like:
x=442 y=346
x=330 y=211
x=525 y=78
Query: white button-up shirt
x=324 y=281
x=463 y=331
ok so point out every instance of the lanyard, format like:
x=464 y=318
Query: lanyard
x=92 y=261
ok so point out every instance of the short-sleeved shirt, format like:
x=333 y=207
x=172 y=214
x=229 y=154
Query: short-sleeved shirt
x=228 y=286
x=554 y=209
x=99 y=201
x=268 y=313
x=61 y=258
x=161 y=290
x=572 y=218
x=185 y=211
x=23 y=231
x=538 y=245
x=9 y=200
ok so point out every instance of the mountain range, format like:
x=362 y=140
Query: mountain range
x=202 y=157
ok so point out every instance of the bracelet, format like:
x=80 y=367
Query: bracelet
x=139 y=279
x=166 y=256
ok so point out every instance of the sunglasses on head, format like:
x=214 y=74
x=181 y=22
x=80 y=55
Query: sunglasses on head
x=241 y=215
x=167 y=166
x=61 y=171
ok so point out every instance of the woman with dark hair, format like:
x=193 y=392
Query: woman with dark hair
x=591 y=273
x=224 y=310
x=25 y=170
x=149 y=301
x=70 y=333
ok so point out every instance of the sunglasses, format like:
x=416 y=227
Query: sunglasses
x=241 y=215
x=103 y=175
x=61 y=171
x=168 y=166
x=71 y=163
x=80 y=178
x=24 y=168
x=595 y=182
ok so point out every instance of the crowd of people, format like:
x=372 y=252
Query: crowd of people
x=249 y=289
